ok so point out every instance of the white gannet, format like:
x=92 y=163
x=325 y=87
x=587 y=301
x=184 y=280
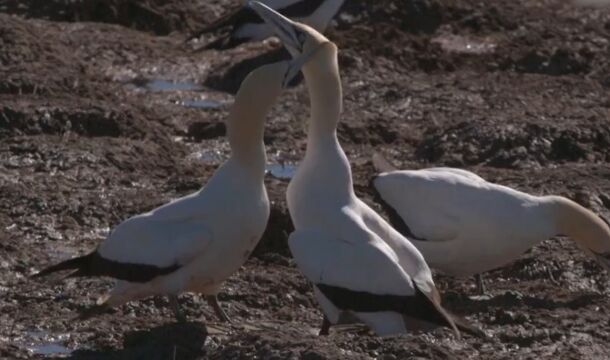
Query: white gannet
x=464 y=225
x=242 y=24
x=357 y=262
x=193 y=244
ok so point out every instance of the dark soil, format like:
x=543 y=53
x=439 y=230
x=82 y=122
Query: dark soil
x=518 y=91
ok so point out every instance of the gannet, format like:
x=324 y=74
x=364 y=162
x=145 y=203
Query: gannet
x=464 y=225
x=193 y=244
x=242 y=24
x=357 y=262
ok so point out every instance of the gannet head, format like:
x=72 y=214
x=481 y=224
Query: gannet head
x=589 y=231
x=255 y=98
x=299 y=39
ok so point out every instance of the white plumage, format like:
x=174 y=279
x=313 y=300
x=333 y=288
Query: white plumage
x=467 y=225
x=196 y=242
x=356 y=261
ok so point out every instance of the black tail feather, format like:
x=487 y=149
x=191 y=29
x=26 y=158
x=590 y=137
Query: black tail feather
x=78 y=264
x=466 y=327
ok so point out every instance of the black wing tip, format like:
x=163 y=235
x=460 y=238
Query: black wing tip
x=417 y=306
x=466 y=327
x=77 y=263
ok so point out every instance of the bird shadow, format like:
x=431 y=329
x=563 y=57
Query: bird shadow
x=511 y=300
x=231 y=79
x=184 y=341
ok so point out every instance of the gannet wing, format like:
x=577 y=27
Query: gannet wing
x=361 y=277
x=425 y=205
x=159 y=242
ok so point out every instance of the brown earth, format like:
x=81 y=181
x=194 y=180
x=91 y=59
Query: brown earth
x=518 y=91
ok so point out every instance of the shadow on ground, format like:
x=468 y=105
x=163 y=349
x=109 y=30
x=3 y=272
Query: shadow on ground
x=171 y=341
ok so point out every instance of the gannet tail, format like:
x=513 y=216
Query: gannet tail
x=457 y=323
x=77 y=263
x=466 y=327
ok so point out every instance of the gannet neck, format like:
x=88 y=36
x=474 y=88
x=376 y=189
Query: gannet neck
x=325 y=93
x=580 y=224
x=245 y=129
x=324 y=156
x=245 y=125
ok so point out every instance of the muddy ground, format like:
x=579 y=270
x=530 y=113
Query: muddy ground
x=105 y=112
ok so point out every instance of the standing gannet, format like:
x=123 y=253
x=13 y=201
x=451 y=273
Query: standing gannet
x=242 y=24
x=464 y=225
x=196 y=242
x=357 y=262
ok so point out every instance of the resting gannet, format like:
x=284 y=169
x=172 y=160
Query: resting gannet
x=464 y=225
x=357 y=262
x=242 y=24
x=193 y=244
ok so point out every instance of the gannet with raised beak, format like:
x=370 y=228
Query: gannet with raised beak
x=464 y=225
x=243 y=25
x=357 y=262
x=193 y=244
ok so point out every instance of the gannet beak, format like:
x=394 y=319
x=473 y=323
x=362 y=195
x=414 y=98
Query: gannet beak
x=293 y=70
x=283 y=27
x=294 y=66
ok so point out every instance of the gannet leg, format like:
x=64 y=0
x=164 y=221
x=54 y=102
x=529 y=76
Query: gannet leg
x=325 y=328
x=213 y=302
x=173 y=303
x=480 y=284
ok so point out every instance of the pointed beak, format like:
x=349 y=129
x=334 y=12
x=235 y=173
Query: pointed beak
x=294 y=67
x=283 y=27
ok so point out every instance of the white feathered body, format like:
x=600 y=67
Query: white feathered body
x=340 y=241
x=467 y=224
x=209 y=234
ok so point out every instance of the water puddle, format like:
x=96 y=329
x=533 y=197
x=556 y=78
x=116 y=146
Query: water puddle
x=211 y=152
x=45 y=344
x=166 y=85
x=465 y=45
x=202 y=103
x=281 y=171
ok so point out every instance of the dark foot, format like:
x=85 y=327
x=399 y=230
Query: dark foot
x=325 y=328
x=173 y=303
x=480 y=284
x=213 y=302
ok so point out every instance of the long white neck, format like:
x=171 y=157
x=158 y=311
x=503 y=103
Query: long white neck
x=324 y=154
x=246 y=140
x=246 y=122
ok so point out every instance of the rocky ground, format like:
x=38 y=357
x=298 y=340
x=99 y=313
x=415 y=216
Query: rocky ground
x=106 y=112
